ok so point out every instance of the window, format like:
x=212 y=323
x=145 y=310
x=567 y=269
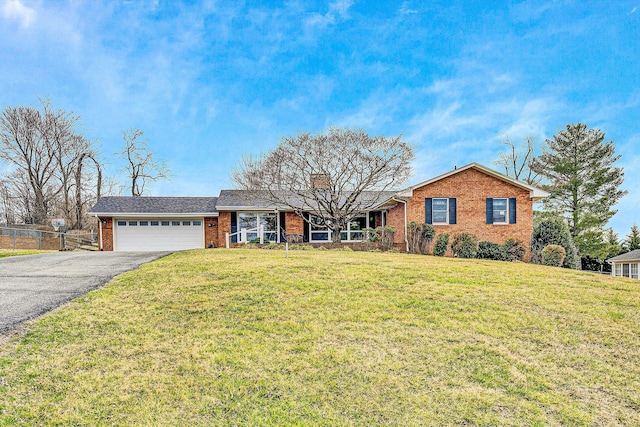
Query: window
x=250 y=221
x=618 y=270
x=625 y=270
x=175 y=223
x=500 y=211
x=186 y=222
x=634 y=271
x=122 y=223
x=154 y=223
x=133 y=223
x=144 y=223
x=165 y=223
x=440 y=211
x=351 y=232
x=197 y=223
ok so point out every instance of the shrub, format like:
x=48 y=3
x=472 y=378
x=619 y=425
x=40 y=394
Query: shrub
x=514 y=250
x=553 y=231
x=490 y=250
x=553 y=255
x=382 y=235
x=420 y=237
x=442 y=241
x=464 y=245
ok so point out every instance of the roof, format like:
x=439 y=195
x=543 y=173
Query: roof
x=127 y=205
x=261 y=200
x=534 y=192
x=629 y=256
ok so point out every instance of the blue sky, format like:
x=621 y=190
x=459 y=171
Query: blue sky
x=209 y=81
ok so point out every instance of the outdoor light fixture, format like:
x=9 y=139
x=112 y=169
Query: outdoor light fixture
x=212 y=224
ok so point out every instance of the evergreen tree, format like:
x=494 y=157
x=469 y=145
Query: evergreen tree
x=583 y=182
x=550 y=230
x=633 y=239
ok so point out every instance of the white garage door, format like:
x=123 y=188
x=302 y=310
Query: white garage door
x=158 y=234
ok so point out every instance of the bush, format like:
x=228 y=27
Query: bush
x=490 y=250
x=464 y=245
x=420 y=237
x=553 y=231
x=514 y=250
x=553 y=255
x=442 y=241
x=381 y=235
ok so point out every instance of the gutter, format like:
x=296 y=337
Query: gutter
x=406 y=241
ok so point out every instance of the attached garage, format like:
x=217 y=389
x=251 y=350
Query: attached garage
x=155 y=223
x=158 y=234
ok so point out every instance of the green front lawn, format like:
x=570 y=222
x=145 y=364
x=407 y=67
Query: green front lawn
x=247 y=337
x=17 y=252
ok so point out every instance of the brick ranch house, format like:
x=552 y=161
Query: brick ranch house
x=473 y=198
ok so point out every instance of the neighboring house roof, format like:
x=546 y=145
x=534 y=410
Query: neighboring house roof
x=534 y=192
x=230 y=200
x=629 y=256
x=161 y=206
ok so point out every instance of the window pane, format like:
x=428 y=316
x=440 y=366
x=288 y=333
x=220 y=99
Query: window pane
x=196 y=223
x=154 y=223
x=144 y=223
x=269 y=221
x=500 y=210
x=634 y=271
x=186 y=222
x=319 y=236
x=316 y=223
x=247 y=220
x=165 y=223
x=343 y=235
x=356 y=235
x=133 y=223
x=618 y=270
x=625 y=270
x=440 y=204
x=175 y=223
x=122 y=223
x=439 y=217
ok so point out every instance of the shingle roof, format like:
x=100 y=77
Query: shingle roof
x=155 y=205
x=260 y=199
x=629 y=256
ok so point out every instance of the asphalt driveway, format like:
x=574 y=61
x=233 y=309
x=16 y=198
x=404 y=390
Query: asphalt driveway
x=35 y=284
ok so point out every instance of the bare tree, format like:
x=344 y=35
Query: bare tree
x=43 y=147
x=334 y=175
x=141 y=167
x=517 y=160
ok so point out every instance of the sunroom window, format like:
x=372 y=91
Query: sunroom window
x=249 y=222
x=352 y=232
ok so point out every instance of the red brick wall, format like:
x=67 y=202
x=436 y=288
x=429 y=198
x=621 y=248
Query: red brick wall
x=224 y=226
x=471 y=188
x=211 y=233
x=293 y=223
x=107 y=233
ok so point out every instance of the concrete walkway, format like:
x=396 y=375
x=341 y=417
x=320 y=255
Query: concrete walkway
x=32 y=285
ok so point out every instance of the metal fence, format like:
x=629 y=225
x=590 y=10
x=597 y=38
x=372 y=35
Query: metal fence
x=27 y=238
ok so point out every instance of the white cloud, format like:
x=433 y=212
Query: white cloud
x=338 y=9
x=14 y=9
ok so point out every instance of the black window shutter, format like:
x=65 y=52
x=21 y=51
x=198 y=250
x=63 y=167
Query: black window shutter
x=428 y=211
x=452 y=210
x=306 y=228
x=512 y=210
x=489 y=210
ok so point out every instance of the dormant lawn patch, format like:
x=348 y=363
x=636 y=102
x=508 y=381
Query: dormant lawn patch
x=247 y=337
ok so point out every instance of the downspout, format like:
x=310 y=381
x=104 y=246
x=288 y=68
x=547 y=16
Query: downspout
x=100 y=231
x=406 y=241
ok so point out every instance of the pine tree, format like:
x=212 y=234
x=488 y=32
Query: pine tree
x=583 y=182
x=633 y=239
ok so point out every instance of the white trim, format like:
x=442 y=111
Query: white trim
x=534 y=192
x=154 y=214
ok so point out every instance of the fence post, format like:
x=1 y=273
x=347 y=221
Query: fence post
x=226 y=239
x=40 y=240
x=261 y=231
x=14 y=239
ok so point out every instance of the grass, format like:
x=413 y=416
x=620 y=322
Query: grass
x=18 y=252
x=247 y=337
